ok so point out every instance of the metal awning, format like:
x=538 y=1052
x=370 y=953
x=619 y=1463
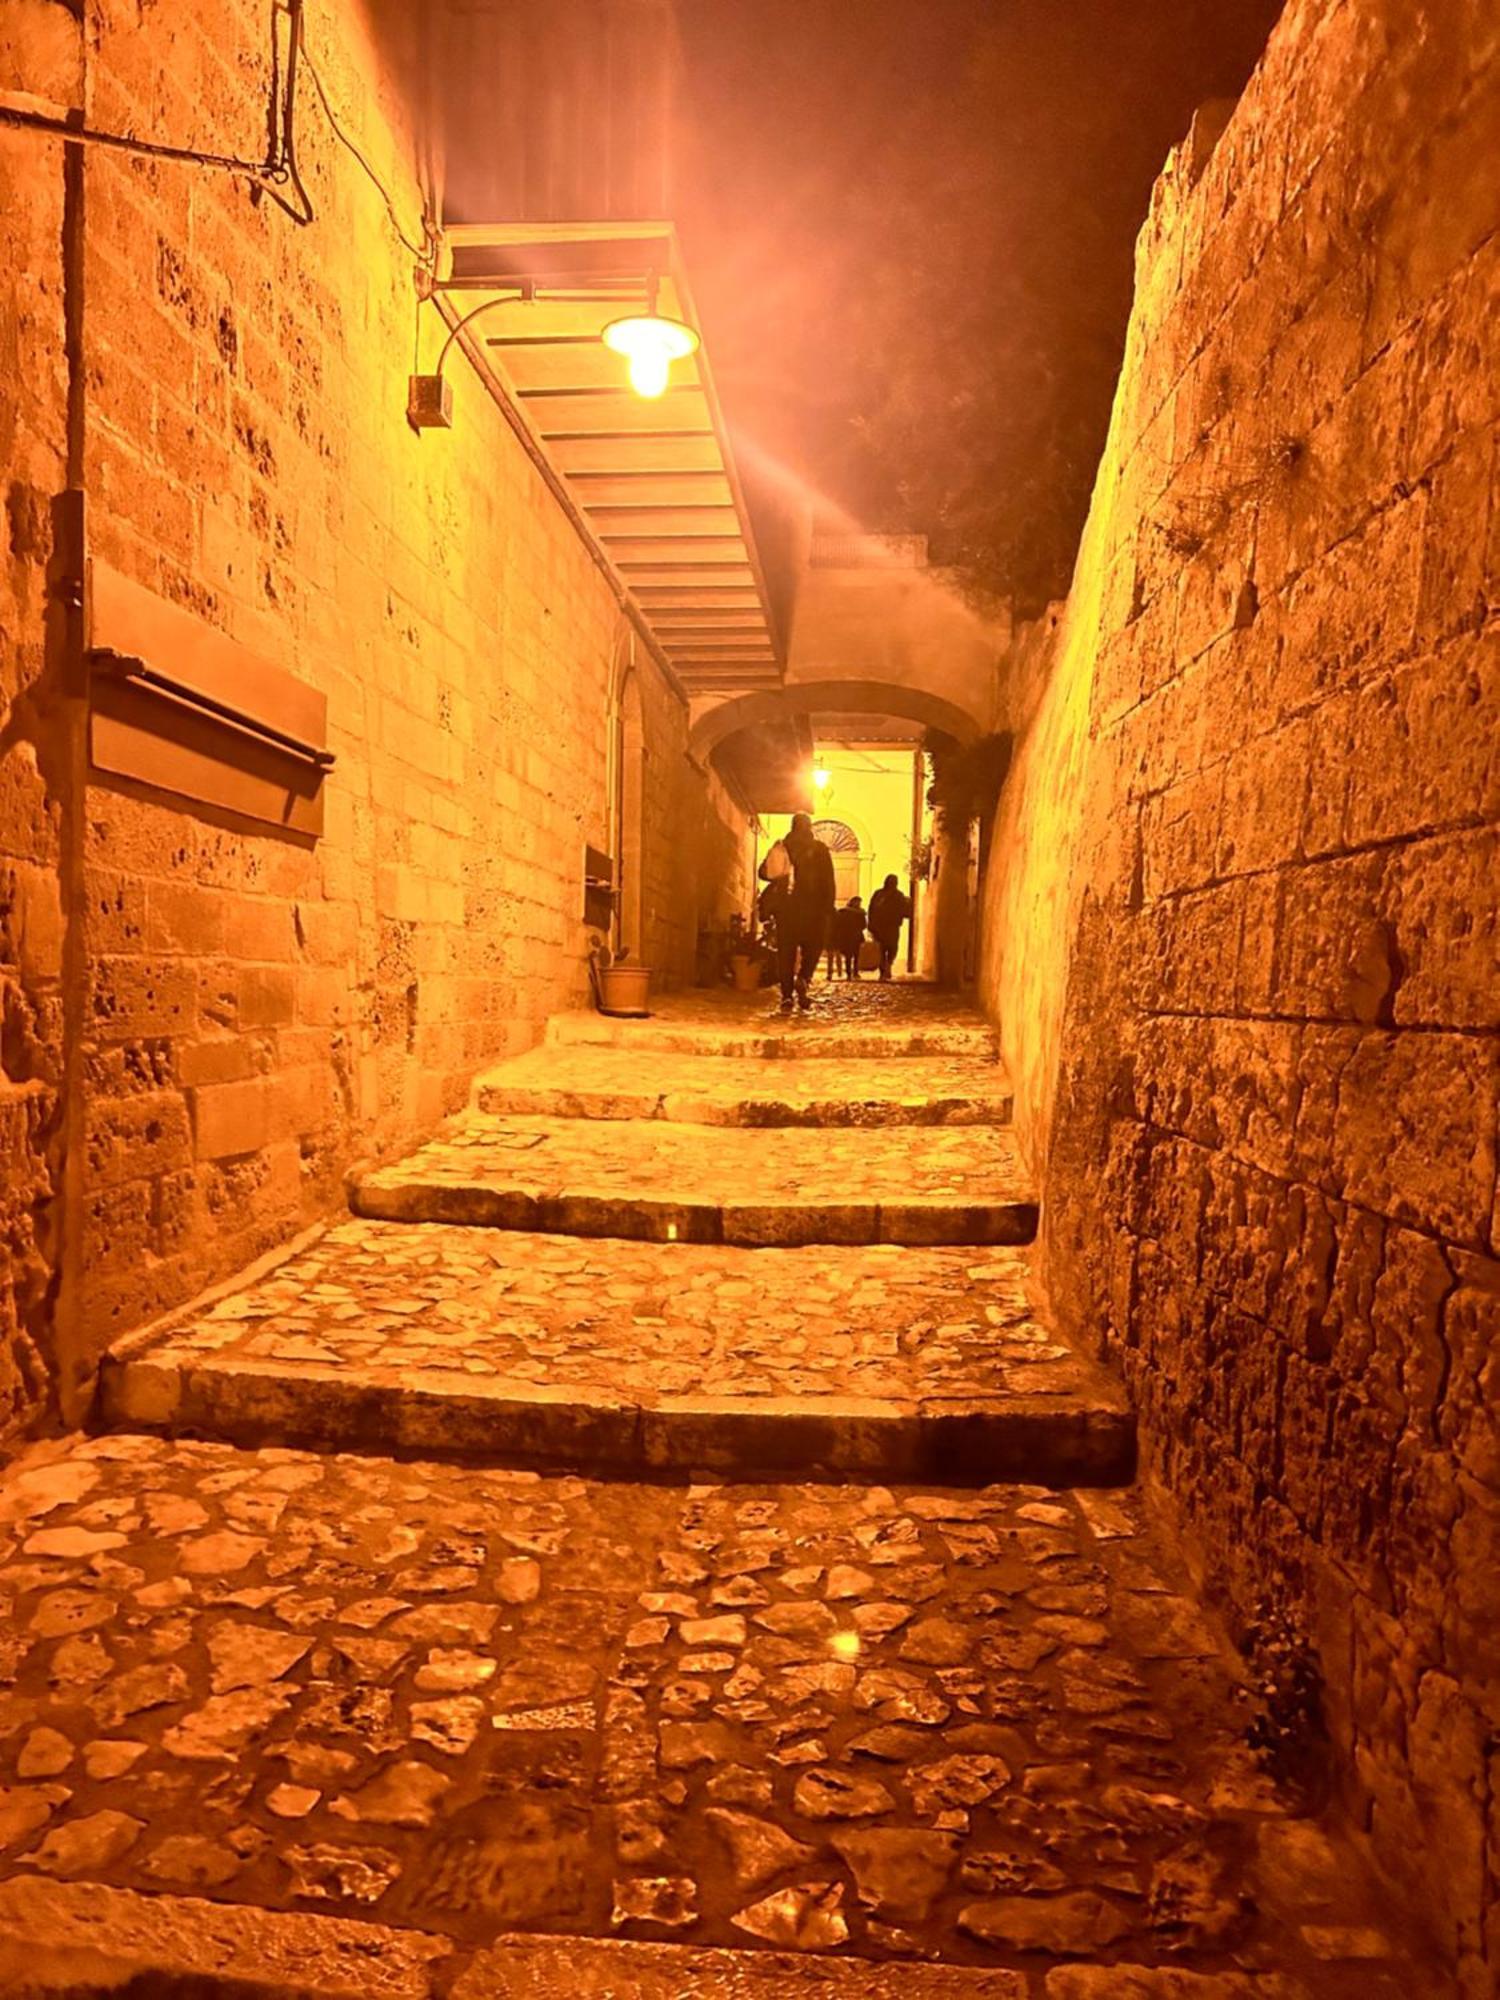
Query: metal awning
x=654 y=482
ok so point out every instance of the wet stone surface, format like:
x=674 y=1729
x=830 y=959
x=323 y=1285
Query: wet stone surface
x=646 y=1321
x=978 y=1727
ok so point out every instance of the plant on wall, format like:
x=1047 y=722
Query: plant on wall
x=966 y=777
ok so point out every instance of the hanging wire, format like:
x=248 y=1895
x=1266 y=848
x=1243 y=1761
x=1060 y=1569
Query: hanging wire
x=426 y=251
x=279 y=171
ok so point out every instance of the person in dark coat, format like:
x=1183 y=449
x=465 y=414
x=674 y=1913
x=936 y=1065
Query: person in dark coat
x=848 y=936
x=805 y=912
x=889 y=910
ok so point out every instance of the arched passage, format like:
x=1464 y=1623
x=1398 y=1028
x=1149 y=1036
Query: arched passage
x=780 y=706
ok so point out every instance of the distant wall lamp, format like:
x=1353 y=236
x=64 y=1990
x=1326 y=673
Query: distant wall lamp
x=649 y=342
x=822 y=776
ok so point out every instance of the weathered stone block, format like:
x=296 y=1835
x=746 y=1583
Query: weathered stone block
x=1416 y=752
x=1444 y=898
x=231 y=1118
x=1339 y=957
x=132 y=996
x=1414 y=1131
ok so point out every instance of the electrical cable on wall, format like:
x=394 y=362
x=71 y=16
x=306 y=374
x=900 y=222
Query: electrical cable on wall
x=278 y=175
x=425 y=252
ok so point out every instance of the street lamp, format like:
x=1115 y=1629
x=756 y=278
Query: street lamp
x=650 y=342
x=822 y=776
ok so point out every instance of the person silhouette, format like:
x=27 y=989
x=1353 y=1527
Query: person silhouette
x=805 y=910
x=889 y=910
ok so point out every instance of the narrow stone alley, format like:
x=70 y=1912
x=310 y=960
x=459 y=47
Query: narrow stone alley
x=529 y=531
x=656 y=1547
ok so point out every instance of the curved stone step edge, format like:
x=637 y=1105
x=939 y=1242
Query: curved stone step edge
x=392 y=1195
x=574 y=1031
x=685 y=1107
x=74 y=1939
x=1087 y=1440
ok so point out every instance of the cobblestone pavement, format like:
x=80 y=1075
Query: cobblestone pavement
x=584 y=1082
x=648 y=1178
x=985 y=1728
x=845 y=1020
x=862 y=1338
x=444 y=1729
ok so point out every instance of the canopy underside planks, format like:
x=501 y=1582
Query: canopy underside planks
x=653 y=481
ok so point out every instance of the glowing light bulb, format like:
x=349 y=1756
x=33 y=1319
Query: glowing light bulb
x=821 y=776
x=650 y=344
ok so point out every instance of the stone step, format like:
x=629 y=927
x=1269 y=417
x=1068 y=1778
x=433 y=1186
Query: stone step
x=840 y=1025
x=84 y=1940
x=704 y=1184
x=616 y=1083
x=887 y=1363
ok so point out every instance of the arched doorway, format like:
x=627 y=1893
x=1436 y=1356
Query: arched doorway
x=843 y=843
x=630 y=816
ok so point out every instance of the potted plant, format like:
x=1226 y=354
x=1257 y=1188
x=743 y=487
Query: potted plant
x=620 y=987
x=745 y=955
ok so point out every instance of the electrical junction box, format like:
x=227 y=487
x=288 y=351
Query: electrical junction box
x=429 y=403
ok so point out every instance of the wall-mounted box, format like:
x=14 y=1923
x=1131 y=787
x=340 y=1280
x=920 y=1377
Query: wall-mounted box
x=181 y=707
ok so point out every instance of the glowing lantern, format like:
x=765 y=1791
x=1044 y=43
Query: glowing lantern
x=821 y=776
x=650 y=343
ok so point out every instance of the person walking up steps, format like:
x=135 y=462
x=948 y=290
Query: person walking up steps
x=805 y=911
x=848 y=934
x=889 y=910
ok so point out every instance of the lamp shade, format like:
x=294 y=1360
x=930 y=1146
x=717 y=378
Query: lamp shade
x=650 y=343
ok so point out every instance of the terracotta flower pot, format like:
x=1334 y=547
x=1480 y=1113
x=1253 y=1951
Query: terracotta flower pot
x=625 y=989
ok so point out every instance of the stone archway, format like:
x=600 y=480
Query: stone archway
x=715 y=723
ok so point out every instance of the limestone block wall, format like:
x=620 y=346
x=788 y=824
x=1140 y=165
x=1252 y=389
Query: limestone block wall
x=1243 y=924
x=34 y=734
x=258 y=1011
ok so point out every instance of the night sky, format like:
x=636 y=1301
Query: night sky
x=910 y=227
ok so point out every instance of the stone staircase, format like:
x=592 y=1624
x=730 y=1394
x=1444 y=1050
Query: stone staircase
x=468 y=1610
x=704 y=1240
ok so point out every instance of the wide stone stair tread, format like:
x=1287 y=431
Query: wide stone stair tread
x=649 y=1178
x=885 y=1361
x=618 y=1083
x=892 y=1022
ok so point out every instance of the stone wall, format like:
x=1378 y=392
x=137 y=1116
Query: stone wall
x=34 y=737
x=258 y=1010
x=1243 y=925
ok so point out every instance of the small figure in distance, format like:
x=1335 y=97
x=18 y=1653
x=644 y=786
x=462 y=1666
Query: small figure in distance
x=889 y=910
x=848 y=936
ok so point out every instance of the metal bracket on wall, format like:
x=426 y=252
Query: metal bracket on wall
x=200 y=703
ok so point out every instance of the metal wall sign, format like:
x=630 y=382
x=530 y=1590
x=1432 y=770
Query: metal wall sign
x=183 y=708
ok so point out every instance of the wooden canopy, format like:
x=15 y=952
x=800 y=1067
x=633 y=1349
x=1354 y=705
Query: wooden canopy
x=654 y=482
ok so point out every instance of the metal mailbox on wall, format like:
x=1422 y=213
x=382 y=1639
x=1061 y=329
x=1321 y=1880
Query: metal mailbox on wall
x=183 y=708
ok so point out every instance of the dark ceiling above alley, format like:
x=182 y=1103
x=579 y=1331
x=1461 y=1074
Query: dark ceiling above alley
x=911 y=230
